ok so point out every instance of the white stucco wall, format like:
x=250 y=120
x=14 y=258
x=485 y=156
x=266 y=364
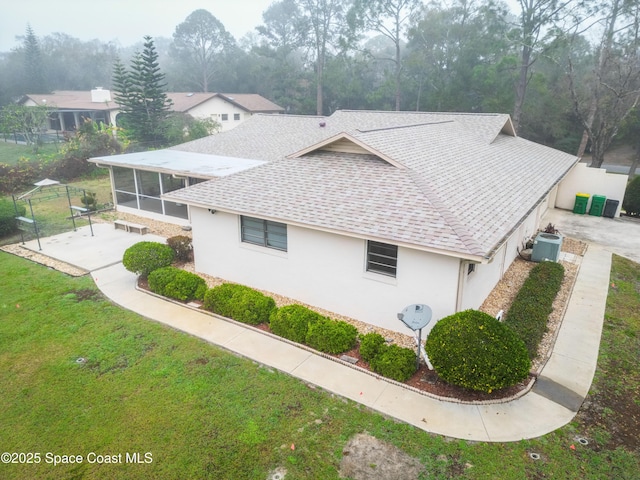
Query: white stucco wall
x=594 y=181
x=478 y=284
x=214 y=108
x=325 y=270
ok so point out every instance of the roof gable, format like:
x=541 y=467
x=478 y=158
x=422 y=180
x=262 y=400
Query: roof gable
x=345 y=143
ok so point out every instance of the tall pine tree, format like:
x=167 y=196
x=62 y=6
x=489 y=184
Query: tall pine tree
x=140 y=93
x=34 y=77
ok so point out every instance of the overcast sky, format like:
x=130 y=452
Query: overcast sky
x=126 y=21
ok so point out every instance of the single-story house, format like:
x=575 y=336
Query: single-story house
x=71 y=107
x=360 y=213
x=228 y=109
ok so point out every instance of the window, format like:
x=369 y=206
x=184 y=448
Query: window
x=471 y=268
x=382 y=258
x=264 y=232
x=236 y=116
x=224 y=117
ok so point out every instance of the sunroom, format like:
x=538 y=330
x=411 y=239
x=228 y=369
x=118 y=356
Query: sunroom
x=138 y=180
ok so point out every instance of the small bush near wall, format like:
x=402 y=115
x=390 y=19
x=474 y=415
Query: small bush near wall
x=473 y=350
x=370 y=345
x=178 y=284
x=533 y=304
x=145 y=257
x=631 y=202
x=181 y=246
x=331 y=336
x=293 y=321
x=241 y=303
x=8 y=222
x=394 y=362
x=160 y=278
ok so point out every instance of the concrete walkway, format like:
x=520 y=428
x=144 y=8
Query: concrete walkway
x=552 y=403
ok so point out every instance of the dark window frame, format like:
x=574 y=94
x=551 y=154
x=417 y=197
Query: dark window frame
x=382 y=258
x=264 y=233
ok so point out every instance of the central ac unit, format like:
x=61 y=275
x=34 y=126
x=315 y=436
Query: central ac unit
x=546 y=247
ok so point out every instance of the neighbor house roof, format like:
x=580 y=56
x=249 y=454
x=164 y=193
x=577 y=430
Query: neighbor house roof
x=454 y=183
x=250 y=102
x=182 y=101
x=70 y=100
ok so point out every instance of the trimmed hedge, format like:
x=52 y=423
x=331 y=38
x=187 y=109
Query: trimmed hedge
x=241 y=303
x=160 y=278
x=472 y=349
x=8 y=222
x=293 y=321
x=176 y=283
x=370 y=345
x=331 y=336
x=145 y=257
x=395 y=362
x=533 y=304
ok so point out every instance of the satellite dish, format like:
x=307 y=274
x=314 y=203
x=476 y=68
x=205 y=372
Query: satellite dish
x=416 y=316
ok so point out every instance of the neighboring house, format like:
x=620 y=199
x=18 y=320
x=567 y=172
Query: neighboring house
x=228 y=109
x=361 y=213
x=71 y=107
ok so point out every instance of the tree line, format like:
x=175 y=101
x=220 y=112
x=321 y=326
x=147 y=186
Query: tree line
x=567 y=71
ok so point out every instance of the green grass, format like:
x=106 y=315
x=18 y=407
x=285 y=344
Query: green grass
x=204 y=413
x=10 y=153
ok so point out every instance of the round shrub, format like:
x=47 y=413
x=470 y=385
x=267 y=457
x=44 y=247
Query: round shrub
x=292 y=322
x=241 y=303
x=145 y=257
x=472 y=349
x=631 y=201
x=161 y=277
x=331 y=336
x=176 y=283
x=181 y=246
x=394 y=362
x=8 y=222
x=370 y=345
x=186 y=286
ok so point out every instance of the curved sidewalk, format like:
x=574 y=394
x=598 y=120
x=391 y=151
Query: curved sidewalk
x=552 y=403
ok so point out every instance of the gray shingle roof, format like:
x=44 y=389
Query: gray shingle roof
x=464 y=184
x=251 y=102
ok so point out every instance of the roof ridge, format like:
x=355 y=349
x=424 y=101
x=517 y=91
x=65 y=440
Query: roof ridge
x=396 y=127
x=409 y=112
x=465 y=236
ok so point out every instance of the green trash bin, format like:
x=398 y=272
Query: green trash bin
x=582 y=199
x=597 y=205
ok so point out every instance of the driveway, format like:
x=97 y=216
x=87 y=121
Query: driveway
x=618 y=235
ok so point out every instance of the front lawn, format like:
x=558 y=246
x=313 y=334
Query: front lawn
x=81 y=376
